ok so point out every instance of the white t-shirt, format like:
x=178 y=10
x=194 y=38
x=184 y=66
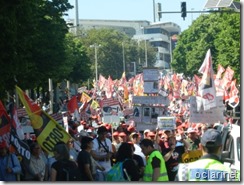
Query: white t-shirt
x=139 y=152
x=99 y=150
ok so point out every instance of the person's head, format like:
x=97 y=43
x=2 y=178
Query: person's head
x=135 y=137
x=3 y=148
x=145 y=133
x=125 y=151
x=151 y=135
x=102 y=132
x=146 y=146
x=122 y=137
x=70 y=143
x=61 y=151
x=172 y=140
x=35 y=148
x=86 y=143
x=211 y=142
x=116 y=135
x=192 y=133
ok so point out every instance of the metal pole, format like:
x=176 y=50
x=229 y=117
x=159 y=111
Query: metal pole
x=96 y=61
x=76 y=16
x=123 y=49
x=154 y=16
x=170 y=42
x=146 y=52
x=50 y=85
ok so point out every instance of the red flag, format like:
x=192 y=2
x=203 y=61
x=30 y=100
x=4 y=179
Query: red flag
x=101 y=82
x=72 y=105
x=233 y=95
x=4 y=124
x=227 y=78
x=221 y=69
x=109 y=88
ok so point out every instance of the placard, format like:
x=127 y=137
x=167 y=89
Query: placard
x=150 y=74
x=148 y=100
x=166 y=123
x=191 y=156
x=213 y=115
x=151 y=87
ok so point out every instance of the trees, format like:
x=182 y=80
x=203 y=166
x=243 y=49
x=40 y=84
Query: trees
x=32 y=42
x=110 y=54
x=218 y=31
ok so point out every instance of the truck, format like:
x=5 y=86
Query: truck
x=231 y=148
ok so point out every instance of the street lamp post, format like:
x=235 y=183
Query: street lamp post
x=123 y=49
x=95 y=46
x=145 y=52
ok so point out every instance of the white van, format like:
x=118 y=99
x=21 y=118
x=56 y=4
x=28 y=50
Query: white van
x=231 y=148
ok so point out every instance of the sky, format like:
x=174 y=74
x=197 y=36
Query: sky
x=136 y=10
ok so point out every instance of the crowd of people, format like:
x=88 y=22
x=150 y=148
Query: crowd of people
x=147 y=155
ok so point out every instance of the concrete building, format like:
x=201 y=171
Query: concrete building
x=162 y=36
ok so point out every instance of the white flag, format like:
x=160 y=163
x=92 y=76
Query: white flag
x=206 y=87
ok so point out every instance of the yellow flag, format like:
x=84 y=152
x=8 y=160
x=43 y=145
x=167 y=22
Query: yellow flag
x=94 y=104
x=85 y=97
x=48 y=132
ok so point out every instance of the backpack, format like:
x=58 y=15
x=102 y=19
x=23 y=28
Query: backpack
x=72 y=172
x=116 y=173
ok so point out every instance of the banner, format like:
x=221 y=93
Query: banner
x=191 y=156
x=48 y=132
x=214 y=115
x=166 y=123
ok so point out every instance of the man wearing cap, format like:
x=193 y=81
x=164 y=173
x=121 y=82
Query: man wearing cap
x=85 y=161
x=208 y=167
x=192 y=139
x=102 y=152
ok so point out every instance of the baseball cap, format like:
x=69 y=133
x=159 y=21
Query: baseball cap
x=211 y=137
x=116 y=133
x=101 y=129
x=85 y=140
x=146 y=131
x=191 y=130
x=122 y=134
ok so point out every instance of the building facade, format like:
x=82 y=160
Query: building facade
x=162 y=36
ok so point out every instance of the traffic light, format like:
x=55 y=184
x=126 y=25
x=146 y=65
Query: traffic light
x=183 y=10
x=159 y=11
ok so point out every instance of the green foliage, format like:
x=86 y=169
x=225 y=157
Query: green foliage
x=110 y=53
x=32 y=43
x=219 y=32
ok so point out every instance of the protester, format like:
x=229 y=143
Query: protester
x=36 y=169
x=138 y=160
x=172 y=157
x=208 y=167
x=125 y=155
x=135 y=139
x=116 y=141
x=192 y=139
x=62 y=156
x=155 y=169
x=84 y=159
x=102 y=152
x=10 y=165
x=72 y=151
